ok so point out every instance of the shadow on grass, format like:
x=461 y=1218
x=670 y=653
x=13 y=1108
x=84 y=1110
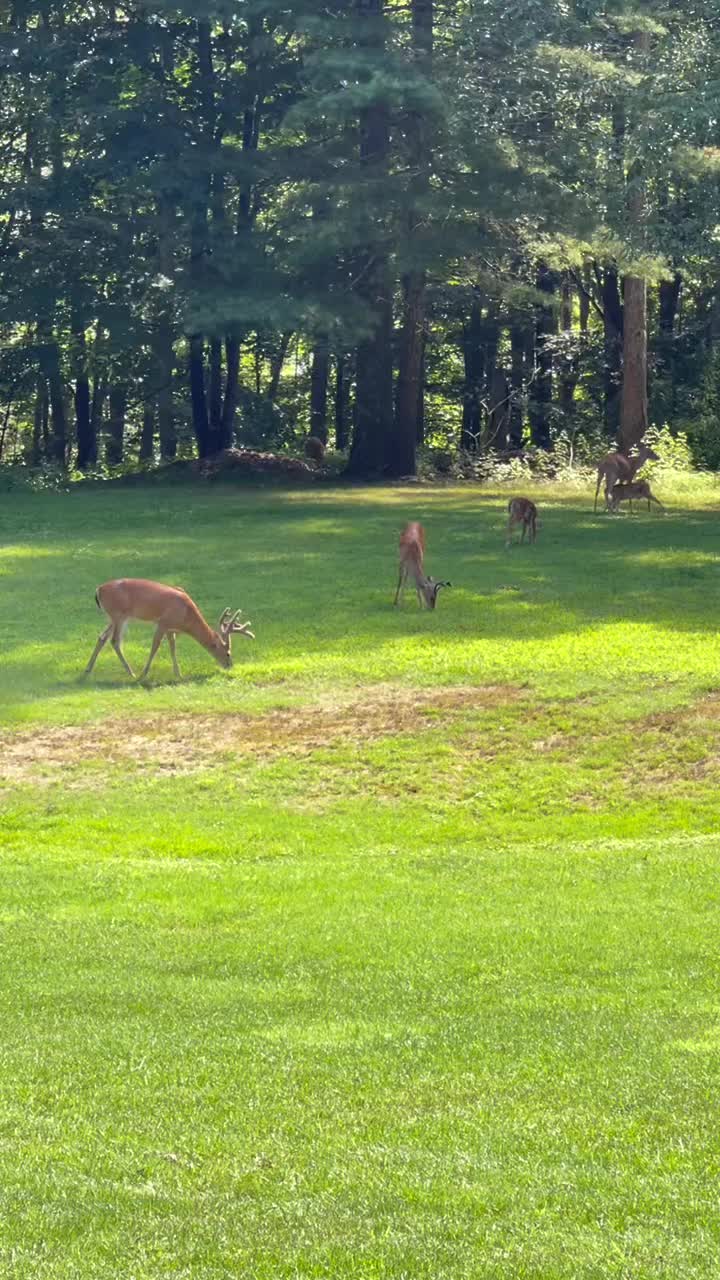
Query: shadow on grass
x=316 y=573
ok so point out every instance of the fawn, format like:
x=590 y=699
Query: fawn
x=412 y=551
x=522 y=511
x=628 y=492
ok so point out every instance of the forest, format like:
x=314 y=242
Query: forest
x=395 y=225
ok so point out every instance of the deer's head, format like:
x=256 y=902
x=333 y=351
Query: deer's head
x=430 y=591
x=646 y=454
x=227 y=627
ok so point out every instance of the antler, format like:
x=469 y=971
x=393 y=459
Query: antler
x=241 y=628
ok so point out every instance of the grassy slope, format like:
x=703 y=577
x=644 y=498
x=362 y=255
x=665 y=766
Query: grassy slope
x=441 y=1002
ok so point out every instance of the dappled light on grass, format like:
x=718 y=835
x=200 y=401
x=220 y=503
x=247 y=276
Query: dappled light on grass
x=394 y=948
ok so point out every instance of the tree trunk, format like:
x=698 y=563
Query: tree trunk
x=115 y=446
x=499 y=411
x=147 y=437
x=215 y=399
x=518 y=342
x=421 y=388
x=664 y=391
x=196 y=367
x=634 y=400
x=50 y=365
x=39 y=418
x=541 y=392
x=613 y=326
x=408 y=430
x=474 y=362
x=84 y=429
x=570 y=371
x=319 y=390
x=634 y=403
x=584 y=299
x=232 y=383
x=341 y=418
x=276 y=366
x=374 y=362
x=165 y=364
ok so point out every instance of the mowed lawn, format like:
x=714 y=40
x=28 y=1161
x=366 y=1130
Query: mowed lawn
x=394 y=952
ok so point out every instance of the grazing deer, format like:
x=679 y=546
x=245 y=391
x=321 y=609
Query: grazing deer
x=412 y=551
x=626 y=493
x=172 y=610
x=522 y=511
x=618 y=466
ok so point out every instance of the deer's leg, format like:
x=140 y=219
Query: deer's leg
x=117 y=639
x=102 y=641
x=171 y=642
x=508 y=541
x=524 y=531
x=597 y=488
x=400 y=585
x=657 y=502
x=157 y=641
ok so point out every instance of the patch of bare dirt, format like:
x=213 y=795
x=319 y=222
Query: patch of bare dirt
x=186 y=743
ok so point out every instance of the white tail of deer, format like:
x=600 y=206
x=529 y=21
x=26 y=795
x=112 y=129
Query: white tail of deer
x=629 y=492
x=172 y=611
x=618 y=466
x=412 y=552
x=522 y=511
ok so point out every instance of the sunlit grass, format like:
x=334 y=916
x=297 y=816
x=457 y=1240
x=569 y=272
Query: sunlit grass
x=391 y=953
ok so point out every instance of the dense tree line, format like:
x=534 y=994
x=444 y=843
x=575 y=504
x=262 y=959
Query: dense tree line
x=376 y=222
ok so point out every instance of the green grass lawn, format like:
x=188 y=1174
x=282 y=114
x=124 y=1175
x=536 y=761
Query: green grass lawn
x=392 y=952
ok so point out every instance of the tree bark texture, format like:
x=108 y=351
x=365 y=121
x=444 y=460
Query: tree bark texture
x=541 y=391
x=319 y=390
x=374 y=363
x=474 y=364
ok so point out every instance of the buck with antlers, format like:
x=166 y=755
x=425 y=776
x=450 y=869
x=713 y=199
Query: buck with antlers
x=173 y=612
x=412 y=552
x=618 y=466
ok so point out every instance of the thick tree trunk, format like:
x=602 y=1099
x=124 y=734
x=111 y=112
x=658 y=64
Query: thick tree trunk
x=634 y=403
x=634 y=400
x=401 y=455
x=613 y=326
x=541 y=391
x=374 y=363
x=319 y=390
x=474 y=362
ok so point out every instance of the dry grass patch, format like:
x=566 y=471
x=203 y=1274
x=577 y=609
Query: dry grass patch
x=186 y=743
